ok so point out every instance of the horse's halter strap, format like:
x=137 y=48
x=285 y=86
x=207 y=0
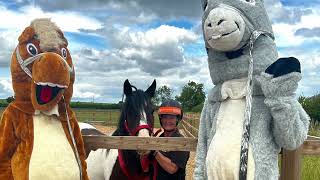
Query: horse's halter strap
x=26 y=62
x=137 y=129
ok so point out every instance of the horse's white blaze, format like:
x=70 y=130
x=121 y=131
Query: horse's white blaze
x=143 y=121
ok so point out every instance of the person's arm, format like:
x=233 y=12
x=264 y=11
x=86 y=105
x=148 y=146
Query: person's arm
x=166 y=163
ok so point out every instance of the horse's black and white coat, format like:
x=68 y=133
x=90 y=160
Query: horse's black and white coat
x=137 y=110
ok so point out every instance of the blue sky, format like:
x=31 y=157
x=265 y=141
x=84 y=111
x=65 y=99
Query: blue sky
x=143 y=40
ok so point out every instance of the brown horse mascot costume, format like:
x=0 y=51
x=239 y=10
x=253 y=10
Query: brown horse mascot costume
x=39 y=135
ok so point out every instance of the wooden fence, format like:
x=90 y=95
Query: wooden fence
x=108 y=117
x=290 y=160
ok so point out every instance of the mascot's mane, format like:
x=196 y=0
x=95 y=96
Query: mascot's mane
x=48 y=34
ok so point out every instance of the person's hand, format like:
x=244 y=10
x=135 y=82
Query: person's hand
x=152 y=154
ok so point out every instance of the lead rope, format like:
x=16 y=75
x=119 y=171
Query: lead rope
x=247 y=116
x=73 y=140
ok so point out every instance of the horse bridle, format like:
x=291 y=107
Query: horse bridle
x=25 y=62
x=137 y=129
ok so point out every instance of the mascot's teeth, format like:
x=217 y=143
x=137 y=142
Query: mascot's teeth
x=216 y=36
x=50 y=84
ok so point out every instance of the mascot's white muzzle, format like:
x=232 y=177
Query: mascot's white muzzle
x=224 y=28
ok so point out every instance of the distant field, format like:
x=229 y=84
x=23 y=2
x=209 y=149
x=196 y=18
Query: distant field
x=1 y=111
x=105 y=116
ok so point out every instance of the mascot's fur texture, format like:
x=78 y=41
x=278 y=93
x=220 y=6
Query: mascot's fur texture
x=277 y=119
x=35 y=142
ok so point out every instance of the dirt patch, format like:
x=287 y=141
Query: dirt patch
x=191 y=162
x=108 y=130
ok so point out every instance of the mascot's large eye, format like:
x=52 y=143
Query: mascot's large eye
x=32 y=49
x=250 y=1
x=64 y=53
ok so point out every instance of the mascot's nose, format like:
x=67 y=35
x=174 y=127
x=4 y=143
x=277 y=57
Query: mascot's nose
x=52 y=50
x=211 y=23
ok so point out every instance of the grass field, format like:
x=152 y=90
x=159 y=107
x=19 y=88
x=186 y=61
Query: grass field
x=106 y=117
x=310 y=164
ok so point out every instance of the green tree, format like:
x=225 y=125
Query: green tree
x=162 y=93
x=192 y=95
x=312 y=106
x=10 y=99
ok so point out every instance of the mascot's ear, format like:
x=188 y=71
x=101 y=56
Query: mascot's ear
x=204 y=4
x=151 y=90
x=127 y=89
x=27 y=34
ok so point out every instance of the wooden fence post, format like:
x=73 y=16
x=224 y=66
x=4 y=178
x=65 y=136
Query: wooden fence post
x=110 y=121
x=291 y=164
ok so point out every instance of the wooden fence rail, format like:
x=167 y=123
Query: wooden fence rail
x=140 y=143
x=309 y=147
x=290 y=160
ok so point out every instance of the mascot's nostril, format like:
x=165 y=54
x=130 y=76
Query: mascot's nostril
x=238 y=26
x=220 y=21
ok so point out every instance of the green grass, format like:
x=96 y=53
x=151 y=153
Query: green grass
x=1 y=111
x=107 y=117
x=310 y=167
x=314 y=129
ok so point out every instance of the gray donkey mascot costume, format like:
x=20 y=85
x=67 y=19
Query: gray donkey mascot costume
x=252 y=112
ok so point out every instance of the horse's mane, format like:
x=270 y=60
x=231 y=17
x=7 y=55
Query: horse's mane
x=131 y=107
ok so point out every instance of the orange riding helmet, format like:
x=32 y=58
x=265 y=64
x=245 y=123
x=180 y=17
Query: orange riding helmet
x=171 y=107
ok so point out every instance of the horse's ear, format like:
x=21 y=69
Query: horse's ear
x=127 y=89
x=151 y=90
x=204 y=4
x=27 y=34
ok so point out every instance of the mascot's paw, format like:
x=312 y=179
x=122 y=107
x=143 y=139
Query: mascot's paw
x=282 y=86
x=281 y=78
x=284 y=66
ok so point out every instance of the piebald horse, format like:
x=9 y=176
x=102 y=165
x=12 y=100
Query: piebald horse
x=136 y=119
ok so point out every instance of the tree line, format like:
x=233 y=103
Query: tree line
x=312 y=106
x=192 y=98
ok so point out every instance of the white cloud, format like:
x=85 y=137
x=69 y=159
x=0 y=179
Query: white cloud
x=84 y=90
x=285 y=33
x=5 y=88
x=141 y=54
x=67 y=21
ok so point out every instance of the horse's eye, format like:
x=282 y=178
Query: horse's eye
x=32 y=49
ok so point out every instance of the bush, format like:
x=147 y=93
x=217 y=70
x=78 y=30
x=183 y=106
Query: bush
x=197 y=108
